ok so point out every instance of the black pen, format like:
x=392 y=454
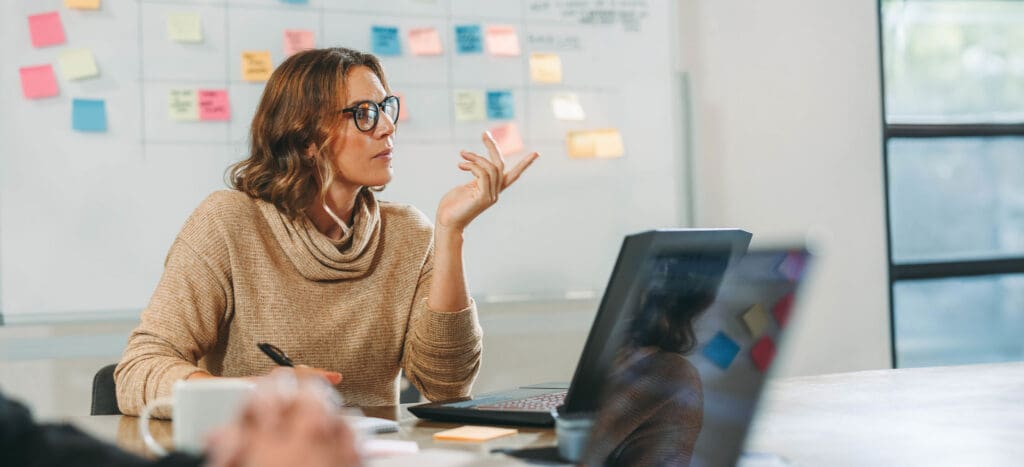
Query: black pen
x=275 y=354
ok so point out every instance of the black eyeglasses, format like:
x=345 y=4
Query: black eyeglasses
x=367 y=113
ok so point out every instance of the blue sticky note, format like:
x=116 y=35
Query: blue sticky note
x=386 y=41
x=88 y=115
x=500 y=105
x=468 y=39
x=721 y=350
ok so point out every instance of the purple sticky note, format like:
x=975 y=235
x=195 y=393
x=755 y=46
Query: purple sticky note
x=763 y=353
x=721 y=350
x=214 y=105
x=46 y=29
x=38 y=81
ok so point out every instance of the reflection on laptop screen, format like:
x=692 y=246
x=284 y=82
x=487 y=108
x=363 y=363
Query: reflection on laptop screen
x=698 y=345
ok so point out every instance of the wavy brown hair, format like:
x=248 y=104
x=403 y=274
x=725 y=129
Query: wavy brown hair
x=296 y=122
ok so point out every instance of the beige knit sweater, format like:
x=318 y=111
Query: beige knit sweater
x=240 y=273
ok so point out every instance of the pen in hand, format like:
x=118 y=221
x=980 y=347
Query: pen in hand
x=281 y=358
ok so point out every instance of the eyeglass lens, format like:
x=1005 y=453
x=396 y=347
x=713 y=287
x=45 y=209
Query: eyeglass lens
x=367 y=113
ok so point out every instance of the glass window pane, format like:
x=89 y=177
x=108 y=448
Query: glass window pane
x=953 y=61
x=956 y=198
x=959 y=320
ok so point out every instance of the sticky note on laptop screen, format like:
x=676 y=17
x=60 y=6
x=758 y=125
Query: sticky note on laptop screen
x=721 y=350
x=473 y=433
x=757 y=320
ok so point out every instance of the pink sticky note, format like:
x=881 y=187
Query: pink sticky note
x=38 y=81
x=502 y=40
x=297 y=40
x=763 y=353
x=46 y=29
x=508 y=138
x=782 y=308
x=424 y=41
x=403 y=107
x=214 y=105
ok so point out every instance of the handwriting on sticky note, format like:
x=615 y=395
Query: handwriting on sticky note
x=88 y=115
x=474 y=433
x=566 y=106
x=185 y=27
x=757 y=320
x=545 y=68
x=77 y=64
x=82 y=4
x=297 y=40
x=38 y=81
x=603 y=143
x=214 y=105
x=470 y=105
x=502 y=41
x=508 y=138
x=385 y=41
x=468 y=39
x=500 y=105
x=256 y=65
x=425 y=41
x=45 y=29
x=183 y=105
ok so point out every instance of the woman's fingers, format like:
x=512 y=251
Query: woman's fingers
x=494 y=151
x=484 y=181
x=517 y=170
x=493 y=179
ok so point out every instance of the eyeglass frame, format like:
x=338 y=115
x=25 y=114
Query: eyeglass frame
x=379 y=110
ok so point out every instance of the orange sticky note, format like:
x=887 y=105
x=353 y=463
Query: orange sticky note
x=297 y=40
x=473 y=433
x=256 y=65
x=46 y=29
x=82 y=4
x=38 y=81
x=545 y=68
x=603 y=143
x=425 y=41
x=508 y=138
x=502 y=41
x=214 y=105
x=403 y=108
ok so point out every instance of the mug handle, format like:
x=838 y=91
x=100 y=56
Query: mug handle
x=144 y=417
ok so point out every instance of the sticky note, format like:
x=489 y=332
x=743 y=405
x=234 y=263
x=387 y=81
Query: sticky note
x=183 y=105
x=603 y=143
x=502 y=41
x=38 y=81
x=214 y=105
x=721 y=350
x=508 y=138
x=567 y=106
x=468 y=40
x=77 y=64
x=82 y=4
x=425 y=41
x=470 y=105
x=403 y=109
x=792 y=266
x=473 y=433
x=500 y=105
x=297 y=40
x=545 y=68
x=782 y=308
x=256 y=65
x=763 y=353
x=757 y=320
x=88 y=115
x=185 y=27
x=45 y=29
x=385 y=41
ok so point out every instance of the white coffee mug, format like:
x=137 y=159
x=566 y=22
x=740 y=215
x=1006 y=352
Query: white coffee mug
x=197 y=407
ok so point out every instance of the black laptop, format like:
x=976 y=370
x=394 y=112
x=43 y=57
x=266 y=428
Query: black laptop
x=532 y=405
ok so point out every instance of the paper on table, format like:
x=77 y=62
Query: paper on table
x=214 y=105
x=470 y=105
x=566 y=106
x=77 y=64
x=385 y=40
x=474 y=433
x=502 y=41
x=82 y=4
x=425 y=41
x=297 y=40
x=256 y=65
x=757 y=320
x=371 y=425
x=376 y=447
x=508 y=138
x=88 y=115
x=433 y=458
x=467 y=39
x=38 y=81
x=545 y=68
x=185 y=27
x=46 y=29
x=183 y=105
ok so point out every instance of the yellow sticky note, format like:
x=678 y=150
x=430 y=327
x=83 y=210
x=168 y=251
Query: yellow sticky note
x=470 y=105
x=77 y=64
x=757 y=320
x=256 y=65
x=82 y=4
x=473 y=433
x=566 y=106
x=184 y=27
x=502 y=41
x=183 y=105
x=604 y=143
x=545 y=68
x=425 y=41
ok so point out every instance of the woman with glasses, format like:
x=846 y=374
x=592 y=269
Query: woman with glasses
x=301 y=254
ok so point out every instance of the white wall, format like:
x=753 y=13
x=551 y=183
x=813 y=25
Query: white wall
x=786 y=125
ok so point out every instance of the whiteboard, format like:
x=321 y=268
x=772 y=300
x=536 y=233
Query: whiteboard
x=86 y=219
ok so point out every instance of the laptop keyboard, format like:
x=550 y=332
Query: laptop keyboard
x=538 y=403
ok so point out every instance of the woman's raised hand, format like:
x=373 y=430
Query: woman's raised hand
x=463 y=203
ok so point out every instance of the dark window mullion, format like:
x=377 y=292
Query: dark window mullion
x=908 y=130
x=939 y=270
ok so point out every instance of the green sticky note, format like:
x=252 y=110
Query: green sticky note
x=183 y=105
x=470 y=105
x=77 y=64
x=184 y=27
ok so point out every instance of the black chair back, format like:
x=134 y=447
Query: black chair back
x=104 y=393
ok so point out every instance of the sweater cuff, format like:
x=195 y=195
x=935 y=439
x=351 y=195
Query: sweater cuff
x=453 y=326
x=172 y=375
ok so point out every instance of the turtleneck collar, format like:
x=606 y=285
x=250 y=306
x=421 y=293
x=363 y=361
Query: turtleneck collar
x=319 y=258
